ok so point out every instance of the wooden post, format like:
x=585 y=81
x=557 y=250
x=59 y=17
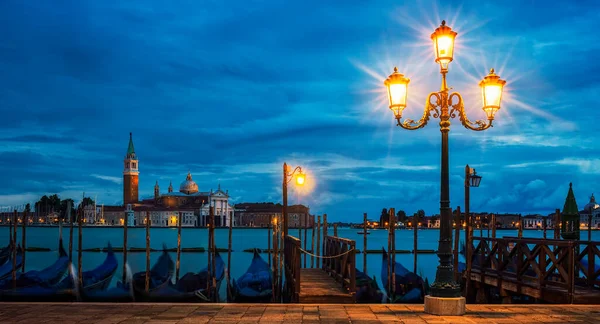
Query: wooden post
x=318 y=242
x=178 y=262
x=79 y=243
x=70 y=231
x=557 y=225
x=494 y=227
x=10 y=226
x=125 y=248
x=545 y=226
x=275 y=259
x=24 y=238
x=456 y=241
x=269 y=247
x=209 y=260
x=281 y=237
x=14 y=251
x=488 y=224
x=589 y=234
x=147 y=286
x=335 y=232
x=229 y=254
x=364 y=243
x=325 y=233
x=214 y=259
x=325 y=226
x=392 y=229
x=306 y=218
x=469 y=253
x=415 y=240
x=312 y=245
x=520 y=227
x=480 y=226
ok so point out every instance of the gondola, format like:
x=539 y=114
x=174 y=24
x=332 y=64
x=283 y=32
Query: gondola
x=406 y=283
x=254 y=286
x=5 y=254
x=6 y=268
x=47 y=277
x=160 y=275
x=363 y=233
x=367 y=289
x=191 y=287
x=94 y=280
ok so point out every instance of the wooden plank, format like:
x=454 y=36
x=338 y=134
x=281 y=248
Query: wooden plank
x=317 y=287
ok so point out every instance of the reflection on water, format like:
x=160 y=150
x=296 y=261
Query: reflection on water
x=98 y=237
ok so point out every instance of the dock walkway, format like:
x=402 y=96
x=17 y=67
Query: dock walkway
x=291 y=313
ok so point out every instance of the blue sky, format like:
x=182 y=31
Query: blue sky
x=231 y=89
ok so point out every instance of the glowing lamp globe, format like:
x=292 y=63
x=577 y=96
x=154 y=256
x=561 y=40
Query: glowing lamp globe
x=397 y=86
x=300 y=179
x=491 y=92
x=443 y=43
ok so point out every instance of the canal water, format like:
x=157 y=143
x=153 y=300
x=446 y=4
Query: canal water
x=243 y=238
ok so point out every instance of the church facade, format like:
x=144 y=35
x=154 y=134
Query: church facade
x=164 y=209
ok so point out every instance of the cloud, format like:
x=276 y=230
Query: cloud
x=116 y=180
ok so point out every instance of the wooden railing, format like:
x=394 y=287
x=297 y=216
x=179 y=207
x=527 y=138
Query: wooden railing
x=291 y=257
x=339 y=261
x=536 y=263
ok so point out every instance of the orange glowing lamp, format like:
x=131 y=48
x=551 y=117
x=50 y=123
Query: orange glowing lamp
x=491 y=92
x=397 y=86
x=443 y=43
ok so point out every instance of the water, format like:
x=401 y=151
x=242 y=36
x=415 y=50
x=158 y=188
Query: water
x=243 y=238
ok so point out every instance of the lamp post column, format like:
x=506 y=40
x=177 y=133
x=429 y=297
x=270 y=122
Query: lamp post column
x=444 y=285
x=467 y=207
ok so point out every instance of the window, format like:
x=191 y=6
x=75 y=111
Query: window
x=133 y=165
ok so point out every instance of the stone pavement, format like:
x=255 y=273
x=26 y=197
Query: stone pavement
x=256 y=313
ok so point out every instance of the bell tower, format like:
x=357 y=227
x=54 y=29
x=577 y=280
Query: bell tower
x=156 y=190
x=130 y=175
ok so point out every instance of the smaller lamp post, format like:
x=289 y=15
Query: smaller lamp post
x=471 y=180
x=287 y=177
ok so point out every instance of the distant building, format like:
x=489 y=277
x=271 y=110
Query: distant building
x=262 y=214
x=164 y=209
x=593 y=209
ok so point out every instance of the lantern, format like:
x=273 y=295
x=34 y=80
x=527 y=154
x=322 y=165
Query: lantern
x=491 y=92
x=397 y=86
x=443 y=43
x=300 y=178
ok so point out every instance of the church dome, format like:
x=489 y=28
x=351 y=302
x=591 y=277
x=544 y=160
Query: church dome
x=592 y=205
x=189 y=186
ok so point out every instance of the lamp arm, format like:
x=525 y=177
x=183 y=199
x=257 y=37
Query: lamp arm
x=430 y=109
x=459 y=107
x=290 y=175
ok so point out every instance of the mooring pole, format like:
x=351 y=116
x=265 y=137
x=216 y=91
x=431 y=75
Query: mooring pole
x=147 y=286
x=275 y=259
x=229 y=253
x=415 y=241
x=178 y=263
x=305 y=235
x=213 y=256
x=14 y=251
x=318 y=242
x=364 y=243
x=24 y=238
x=269 y=247
x=392 y=222
x=79 y=243
x=335 y=232
x=70 y=232
x=494 y=227
x=125 y=247
x=456 y=241
x=557 y=224
x=312 y=245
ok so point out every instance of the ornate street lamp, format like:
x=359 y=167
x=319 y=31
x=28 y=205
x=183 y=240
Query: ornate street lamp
x=444 y=105
x=287 y=177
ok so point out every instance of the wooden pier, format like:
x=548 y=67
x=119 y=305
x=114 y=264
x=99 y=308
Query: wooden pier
x=552 y=271
x=333 y=282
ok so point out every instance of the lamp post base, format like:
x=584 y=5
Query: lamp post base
x=443 y=306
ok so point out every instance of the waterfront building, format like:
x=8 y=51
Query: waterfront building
x=593 y=209
x=189 y=203
x=261 y=215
